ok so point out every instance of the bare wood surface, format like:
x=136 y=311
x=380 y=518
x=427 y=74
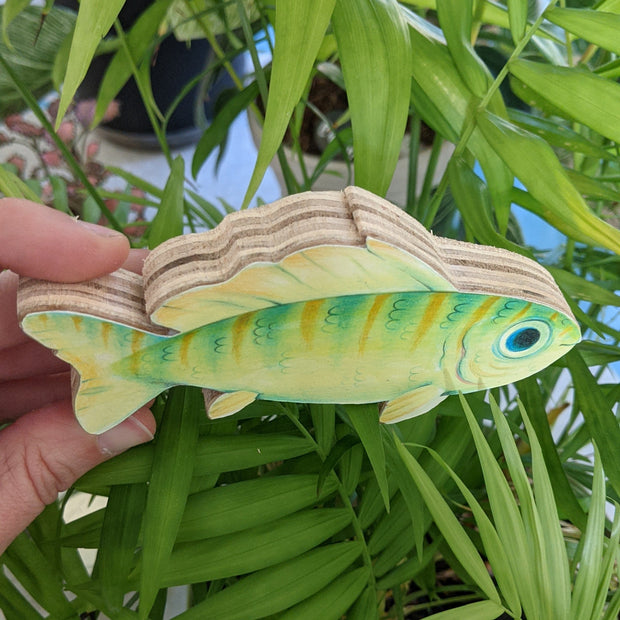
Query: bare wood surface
x=348 y=218
x=352 y=218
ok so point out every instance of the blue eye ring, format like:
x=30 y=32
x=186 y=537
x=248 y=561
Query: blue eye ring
x=524 y=338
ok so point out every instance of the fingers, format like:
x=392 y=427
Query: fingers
x=135 y=260
x=28 y=359
x=45 y=451
x=10 y=332
x=40 y=242
x=24 y=395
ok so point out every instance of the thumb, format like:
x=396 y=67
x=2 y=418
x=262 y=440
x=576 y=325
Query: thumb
x=46 y=451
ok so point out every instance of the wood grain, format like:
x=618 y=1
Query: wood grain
x=270 y=233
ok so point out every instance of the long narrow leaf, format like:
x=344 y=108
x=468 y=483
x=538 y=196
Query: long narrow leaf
x=563 y=205
x=300 y=26
x=37 y=576
x=449 y=526
x=214 y=454
x=557 y=133
x=169 y=219
x=482 y=610
x=118 y=543
x=529 y=392
x=215 y=134
x=279 y=587
x=13 y=603
x=555 y=572
x=455 y=19
x=365 y=421
x=10 y=10
x=471 y=196
x=517 y=16
x=506 y=516
x=168 y=487
x=376 y=58
x=444 y=100
x=600 y=420
x=581 y=95
x=607 y=568
x=253 y=549
x=331 y=602
x=597 y=27
x=390 y=526
x=94 y=20
x=590 y=570
x=138 y=40
x=493 y=547
x=236 y=507
x=12 y=186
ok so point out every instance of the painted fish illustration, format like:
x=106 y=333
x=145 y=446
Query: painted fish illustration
x=318 y=297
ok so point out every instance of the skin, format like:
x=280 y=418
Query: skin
x=44 y=450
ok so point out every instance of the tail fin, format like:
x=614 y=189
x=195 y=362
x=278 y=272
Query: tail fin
x=106 y=392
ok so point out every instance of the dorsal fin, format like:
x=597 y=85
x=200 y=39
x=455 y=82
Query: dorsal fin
x=319 y=245
x=316 y=273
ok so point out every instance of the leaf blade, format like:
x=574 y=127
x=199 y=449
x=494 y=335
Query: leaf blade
x=562 y=205
x=279 y=587
x=168 y=222
x=449 y=526
x=600 y=420
x=93 y=22
x=365 y=421
x=374 y=48
x=300 y=26
x=584 y=96
x=254 y=549
x=169 y=486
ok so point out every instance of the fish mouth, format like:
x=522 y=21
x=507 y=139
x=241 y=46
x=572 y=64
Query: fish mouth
x=461 y=366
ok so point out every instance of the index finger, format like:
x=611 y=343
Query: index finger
x=10 y=332
x=40 y=242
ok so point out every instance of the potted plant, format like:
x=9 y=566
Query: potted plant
x=488 y=506
x=320 y=156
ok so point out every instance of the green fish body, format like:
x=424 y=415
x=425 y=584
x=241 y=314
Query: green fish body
x=399 y=333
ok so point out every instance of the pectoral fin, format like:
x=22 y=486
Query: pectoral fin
x=222 y=404
x=411 y=404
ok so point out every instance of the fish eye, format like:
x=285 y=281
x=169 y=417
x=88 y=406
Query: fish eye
x=524 y=338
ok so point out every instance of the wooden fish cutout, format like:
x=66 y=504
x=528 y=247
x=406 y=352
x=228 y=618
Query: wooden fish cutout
x=319 y=297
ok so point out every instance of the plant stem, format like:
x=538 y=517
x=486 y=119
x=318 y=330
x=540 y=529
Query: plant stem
x=62 y=147
x=217 y=48
x=427 y=186
x=414 y=151
x=470 y=121
x=343 y=496
x=146 y=94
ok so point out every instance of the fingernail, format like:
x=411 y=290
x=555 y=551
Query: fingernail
x=126 y=435
x=102 y=231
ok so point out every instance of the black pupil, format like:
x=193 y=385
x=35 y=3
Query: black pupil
x=525 y=339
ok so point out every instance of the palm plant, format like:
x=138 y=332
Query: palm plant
x=482 y=507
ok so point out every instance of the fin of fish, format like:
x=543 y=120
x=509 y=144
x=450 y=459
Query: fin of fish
x=222 y=404
x=92 y=346
x=314 y=273
x=412 y=404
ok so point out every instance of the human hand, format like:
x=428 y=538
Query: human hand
x=44 y=450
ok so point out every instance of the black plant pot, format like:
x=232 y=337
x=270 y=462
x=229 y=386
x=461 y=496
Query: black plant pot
x=174 y=65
